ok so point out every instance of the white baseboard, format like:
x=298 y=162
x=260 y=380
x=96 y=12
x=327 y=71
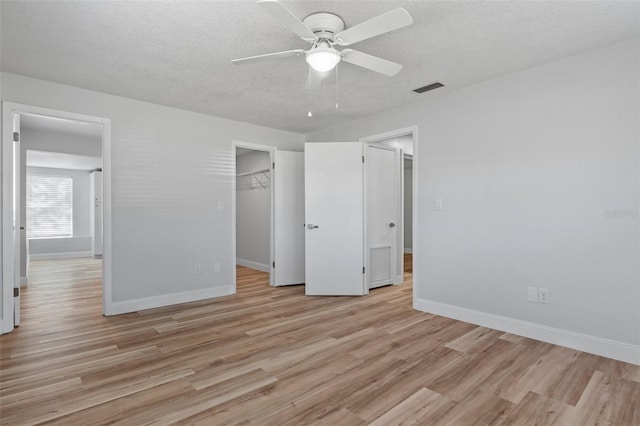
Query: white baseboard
x=408 y=250
x=67 y=255
x=135 y=305
x=253 y=265
x=24 y=281
x=583 y=342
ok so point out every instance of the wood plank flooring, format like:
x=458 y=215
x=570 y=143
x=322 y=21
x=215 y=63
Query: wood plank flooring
x=272 y=356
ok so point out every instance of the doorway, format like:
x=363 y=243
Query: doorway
x=268 y=213
x=47 y=158
x=60 y=201
x=253 y=210
x=352 y=212
x=405 y=140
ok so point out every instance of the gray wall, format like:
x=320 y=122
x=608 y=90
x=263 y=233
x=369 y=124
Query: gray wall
x=170 y=170
x=253 y=215
x=408 y=207
x=534 y=169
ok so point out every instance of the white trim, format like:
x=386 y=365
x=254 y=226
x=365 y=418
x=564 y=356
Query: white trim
x=392 y=134
x=271 y=150
x=253 y=265
x=24 y=281
x=8 y=110
x=583 y=342
x=135 y=305
x=63 y=255
x=408 y=250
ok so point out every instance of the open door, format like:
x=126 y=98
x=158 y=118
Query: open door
x=288 y=214
x=383 y=209
x=334 y=260
x=18 y=228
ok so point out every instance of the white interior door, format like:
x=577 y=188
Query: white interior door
x=288 y=214
x=18 y=228
x=334 y=255
x=383 y=205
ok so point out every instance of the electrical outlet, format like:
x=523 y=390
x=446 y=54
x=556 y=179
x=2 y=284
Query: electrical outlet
x=216 y=267
x=196 y=270
x=543 y=295
x=532 y=294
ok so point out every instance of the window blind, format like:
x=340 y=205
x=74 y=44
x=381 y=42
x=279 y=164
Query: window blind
x=49 y=206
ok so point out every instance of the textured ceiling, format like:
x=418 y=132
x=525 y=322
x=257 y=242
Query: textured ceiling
x=177 y=53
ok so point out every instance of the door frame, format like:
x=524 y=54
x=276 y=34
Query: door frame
x=7 y=256
x=271 y=150
x=379 y=137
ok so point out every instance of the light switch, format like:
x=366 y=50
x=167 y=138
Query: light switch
x=532 y=294
x=221 y=206
x=437 y=204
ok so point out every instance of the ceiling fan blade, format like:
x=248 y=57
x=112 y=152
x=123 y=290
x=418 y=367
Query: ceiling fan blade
x=392 y=20
x=371 y=62
x=284 y=54
x=288 y=19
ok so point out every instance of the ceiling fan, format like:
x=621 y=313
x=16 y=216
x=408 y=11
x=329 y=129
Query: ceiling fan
x=326 y=30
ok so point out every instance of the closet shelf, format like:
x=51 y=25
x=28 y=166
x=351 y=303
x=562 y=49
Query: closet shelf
x=252 y=173
x=254 y=180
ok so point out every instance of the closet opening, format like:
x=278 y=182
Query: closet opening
x=253 y=215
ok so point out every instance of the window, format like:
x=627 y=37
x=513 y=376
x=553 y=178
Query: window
x=49 y=206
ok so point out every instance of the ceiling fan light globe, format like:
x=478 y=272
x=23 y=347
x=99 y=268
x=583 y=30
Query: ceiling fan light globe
x=323 y=59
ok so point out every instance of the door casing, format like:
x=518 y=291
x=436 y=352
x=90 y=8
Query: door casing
x=8 y=252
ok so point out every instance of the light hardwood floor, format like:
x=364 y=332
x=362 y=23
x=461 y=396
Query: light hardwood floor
x=274 y=356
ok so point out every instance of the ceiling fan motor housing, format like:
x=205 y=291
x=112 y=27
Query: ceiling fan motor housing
x=324 y=24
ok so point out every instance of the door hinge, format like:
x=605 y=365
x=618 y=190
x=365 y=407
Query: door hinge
x=274 y=264
x=16 y=292
x=16 y=136
x=274 y=165
x=363 y=158
x=363 y=269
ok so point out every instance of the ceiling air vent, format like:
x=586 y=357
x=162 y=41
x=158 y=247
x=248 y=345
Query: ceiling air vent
x=428 y=87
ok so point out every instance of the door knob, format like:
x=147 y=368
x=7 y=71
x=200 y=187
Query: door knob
x=311 y=226
x=391 y=225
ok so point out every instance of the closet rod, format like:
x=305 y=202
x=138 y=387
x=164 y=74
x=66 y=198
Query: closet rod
x=253 y=173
